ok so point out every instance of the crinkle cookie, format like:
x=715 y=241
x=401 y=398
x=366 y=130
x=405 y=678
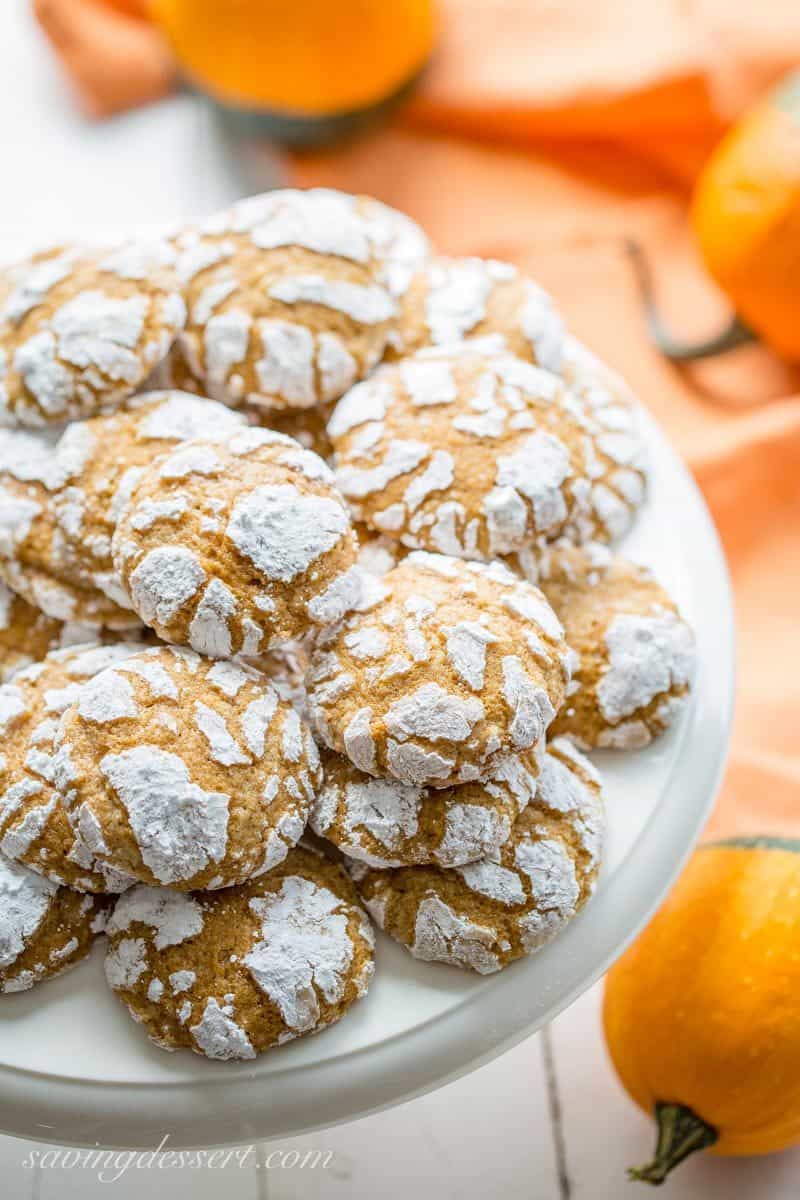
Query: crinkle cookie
x=34 y=828
x=288 y=296
x=635 y=654
x=229 y=974
x=476 y=454
x=377 y=552
x=183 y=771
x=81 y=329
x=285 y=667
x=451 y=668
x=308 y=426
x=61 y=495
x=471 y=298
x=44 y=929
x=385 y=823
x=232 y=547
x=450 y=299
x=484 y=915
x=26 y=634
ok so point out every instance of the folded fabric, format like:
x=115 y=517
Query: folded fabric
x=114 y=58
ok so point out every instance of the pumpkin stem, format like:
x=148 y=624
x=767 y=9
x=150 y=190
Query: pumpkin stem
x=736 y=334
x=680 y=1133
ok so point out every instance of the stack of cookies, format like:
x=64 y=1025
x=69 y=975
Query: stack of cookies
x=213 y=640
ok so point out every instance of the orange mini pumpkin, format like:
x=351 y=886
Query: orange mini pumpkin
x=306 y=57
x=701 y=1013
x=745 y=214
x=746 y=217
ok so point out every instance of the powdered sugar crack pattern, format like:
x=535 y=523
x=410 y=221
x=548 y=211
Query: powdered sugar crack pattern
x=450 y=299
x=444 y=671
x=173 y=777
x=81 y=329
x=232 y=547
x=231 y=973
x=468 y=451
x=44 y=929
x=634 y=653
x=385 y=823
x=291 y=295
x=512 y=902
x=34 y=828
x=70 y=487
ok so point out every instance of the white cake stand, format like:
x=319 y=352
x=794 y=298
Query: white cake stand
x=74 y=1069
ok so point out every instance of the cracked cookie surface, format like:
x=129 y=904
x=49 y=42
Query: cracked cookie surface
x=81 y=329
x=234 y=546
x=385 y=823
x=61 y=495
x=34 y=827
x=184 y=771
x=449 y=667
x=231 y=973
x=291 y=295
x=476 y=453
x=509 y=904
x=635 y=653
x=44 y=928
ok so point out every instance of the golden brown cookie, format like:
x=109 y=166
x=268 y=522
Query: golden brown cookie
x=234 y=546
x=450 y=299
x=308 y=426
x=448 y=669
x=288 y=296
x=34 y=828
x=475 y=454
x=378 y=552
x=44 y=929
x=184 y=771
x=635 y=655
x=385 y=823
x=232 y=973
x=61 y=495
x=484 y=915
x=26 y=634
x=81 y=329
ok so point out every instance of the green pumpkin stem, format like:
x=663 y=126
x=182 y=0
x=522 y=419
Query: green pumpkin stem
x=680 y=1133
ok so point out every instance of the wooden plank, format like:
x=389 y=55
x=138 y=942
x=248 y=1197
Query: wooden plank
x=486 y=1135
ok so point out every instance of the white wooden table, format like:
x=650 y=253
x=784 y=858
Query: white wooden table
x=546 y=1121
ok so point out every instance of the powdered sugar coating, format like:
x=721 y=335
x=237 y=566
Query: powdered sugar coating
x=44 y=928
x=634 y=653
x=33 y=823
x=291 y=295
x=26 y=634
x=419 y=706
x=80 y=330
x=456 y=298
x=385 y=823
x=231 y=973
x=80 y=480
x=160 y=770
x=468 y=451
x=256 y=554
x=485 y=914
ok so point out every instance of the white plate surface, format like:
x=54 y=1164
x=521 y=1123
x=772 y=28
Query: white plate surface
x=74 y=1069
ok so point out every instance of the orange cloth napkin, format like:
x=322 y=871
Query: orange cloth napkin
x=547 y=133
x=114 y=57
